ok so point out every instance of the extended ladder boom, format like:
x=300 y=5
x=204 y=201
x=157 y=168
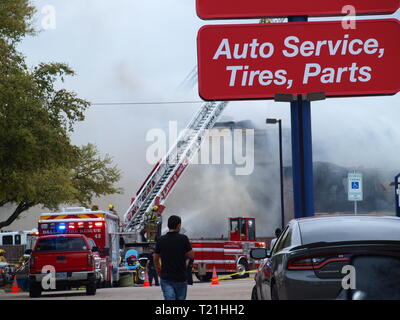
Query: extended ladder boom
x=159 y=184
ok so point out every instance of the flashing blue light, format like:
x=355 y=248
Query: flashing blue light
x=61 y=227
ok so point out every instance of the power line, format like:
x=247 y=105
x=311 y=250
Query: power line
x=142 y=103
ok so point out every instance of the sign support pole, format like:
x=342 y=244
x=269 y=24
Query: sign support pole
x=397 y=193
x=302 y=158
x=302 y=152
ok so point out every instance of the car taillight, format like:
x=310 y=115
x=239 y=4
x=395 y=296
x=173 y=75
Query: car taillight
x=315 y=262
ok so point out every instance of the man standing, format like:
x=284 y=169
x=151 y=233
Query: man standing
x=278 y=232
x=173 y=249
x=151 y=268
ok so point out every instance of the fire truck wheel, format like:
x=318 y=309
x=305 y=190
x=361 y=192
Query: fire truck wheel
x=242 y=267
x=35 y=290
x=205 y=278
x=91 y=287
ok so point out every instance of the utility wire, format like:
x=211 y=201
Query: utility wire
x=142 y=103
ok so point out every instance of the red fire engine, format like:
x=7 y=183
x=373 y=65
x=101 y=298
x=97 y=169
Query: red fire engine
x=98 y=226
x=227 y=255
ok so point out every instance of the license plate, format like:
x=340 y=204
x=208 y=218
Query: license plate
x=61 y=275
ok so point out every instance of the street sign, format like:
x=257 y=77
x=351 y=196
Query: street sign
x=257 y=61
x=232 y=9
x=355 y=187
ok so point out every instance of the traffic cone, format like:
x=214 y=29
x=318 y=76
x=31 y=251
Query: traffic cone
x=146 y=282
x=15 y=288
x=214 y=280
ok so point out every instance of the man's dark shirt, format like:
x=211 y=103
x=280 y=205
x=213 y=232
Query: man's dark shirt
x=172 y=248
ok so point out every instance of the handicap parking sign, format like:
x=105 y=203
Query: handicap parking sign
x=355 y=187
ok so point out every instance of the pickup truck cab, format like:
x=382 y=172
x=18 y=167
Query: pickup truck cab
x=72 y=257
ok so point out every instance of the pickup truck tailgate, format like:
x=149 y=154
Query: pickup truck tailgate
x=63 y=261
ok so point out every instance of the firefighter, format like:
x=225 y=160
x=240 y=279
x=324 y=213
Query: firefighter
x=111 y=208
x=2 y=257
x=151 y=224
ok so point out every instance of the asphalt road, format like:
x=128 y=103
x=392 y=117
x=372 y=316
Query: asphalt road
x=239 y=289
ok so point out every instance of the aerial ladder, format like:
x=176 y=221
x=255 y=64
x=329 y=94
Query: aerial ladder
x=169 y=169
x=166 y=172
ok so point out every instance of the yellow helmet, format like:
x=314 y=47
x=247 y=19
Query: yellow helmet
x=2 y=251
x=110 y=206
x=155 y=208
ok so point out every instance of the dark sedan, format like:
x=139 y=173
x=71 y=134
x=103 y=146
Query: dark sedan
x=306 y=261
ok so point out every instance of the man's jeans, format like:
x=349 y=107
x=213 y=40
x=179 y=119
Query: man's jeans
x=174 y=290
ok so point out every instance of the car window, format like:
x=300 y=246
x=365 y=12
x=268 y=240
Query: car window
x=17 y=239
x=91 y=243
x=278 y=241
x=8 y=240
x=252 y=230
x=287 y=240
x=61 y=244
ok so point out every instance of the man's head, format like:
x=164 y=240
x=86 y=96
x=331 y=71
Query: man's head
x=174 y=223
x=278 y=232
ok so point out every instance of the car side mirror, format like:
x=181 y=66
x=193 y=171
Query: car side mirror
x=260 y=253
x=28 y=251
x=95 y=249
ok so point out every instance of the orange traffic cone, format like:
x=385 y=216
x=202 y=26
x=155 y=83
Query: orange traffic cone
x=214 y=280
x=15 y=288
x=146 y=282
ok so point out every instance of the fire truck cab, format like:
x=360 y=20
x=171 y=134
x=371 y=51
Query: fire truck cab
x=100 y=227
x=242 y=229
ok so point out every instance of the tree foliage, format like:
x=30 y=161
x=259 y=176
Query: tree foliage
x=38 y=163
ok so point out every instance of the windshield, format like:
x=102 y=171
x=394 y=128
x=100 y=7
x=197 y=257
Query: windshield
x=61 y=244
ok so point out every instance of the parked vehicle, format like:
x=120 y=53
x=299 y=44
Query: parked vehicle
x=230 y=255
x=307 y=260
x=73 y=259
x=100 y=227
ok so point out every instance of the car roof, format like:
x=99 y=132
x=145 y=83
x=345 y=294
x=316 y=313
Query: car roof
x=348 y=227
x=347 y=216
x=62 y=235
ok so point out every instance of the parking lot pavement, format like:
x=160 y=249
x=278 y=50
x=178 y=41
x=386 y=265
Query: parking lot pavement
x=227 y=290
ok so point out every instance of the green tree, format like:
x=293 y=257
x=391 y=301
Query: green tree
x=38 y=163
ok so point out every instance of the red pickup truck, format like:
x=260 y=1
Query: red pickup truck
x=72 y=257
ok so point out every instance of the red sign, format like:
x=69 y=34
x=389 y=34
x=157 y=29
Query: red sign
x=258 y=61
x=230 y=9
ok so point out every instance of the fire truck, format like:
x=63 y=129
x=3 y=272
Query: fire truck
x=230 y=255
x=100 y=227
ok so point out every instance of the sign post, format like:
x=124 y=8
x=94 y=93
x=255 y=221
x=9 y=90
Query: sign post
x=302 y=165
x=397 y=193
x=355 y=188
